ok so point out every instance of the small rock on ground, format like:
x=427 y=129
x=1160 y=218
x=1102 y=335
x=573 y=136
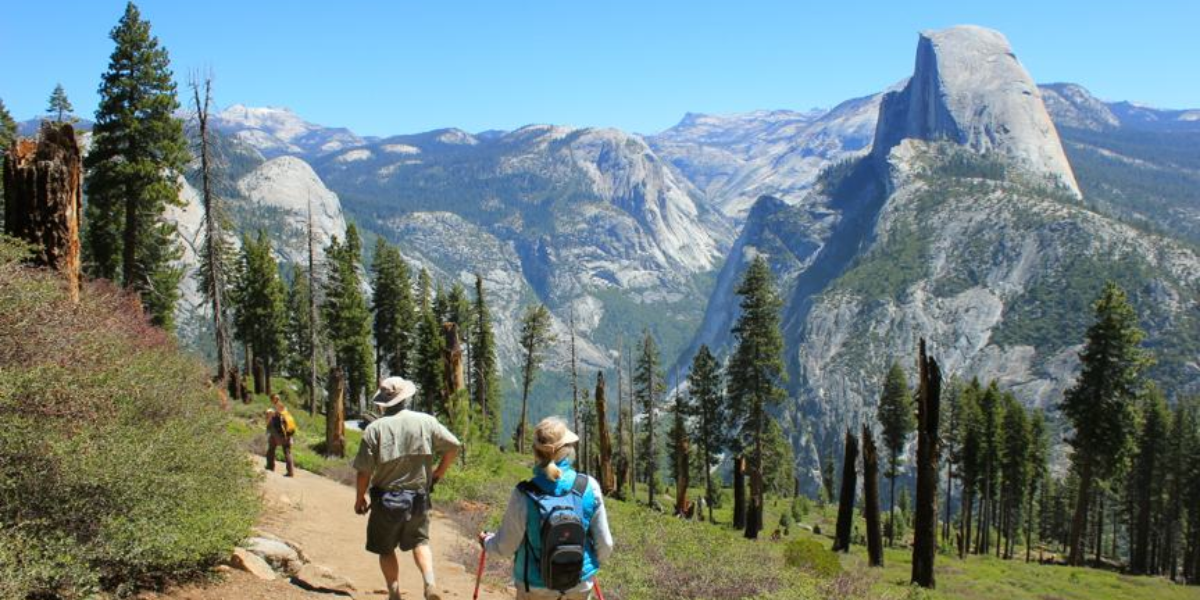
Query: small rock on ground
x=316 y=577
x=251 y=563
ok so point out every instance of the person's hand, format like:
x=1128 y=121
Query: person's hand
x=361 y=506
x=484 y=537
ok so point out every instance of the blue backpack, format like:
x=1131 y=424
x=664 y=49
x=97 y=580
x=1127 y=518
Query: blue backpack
x=562 y=534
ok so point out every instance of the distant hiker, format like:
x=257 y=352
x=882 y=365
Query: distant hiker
x=555 y=524
x=281 y=426
x=395 y=461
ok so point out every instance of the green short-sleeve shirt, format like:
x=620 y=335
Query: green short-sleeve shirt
x=398 y=450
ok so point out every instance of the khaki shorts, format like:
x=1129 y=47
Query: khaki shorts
x=387 y=530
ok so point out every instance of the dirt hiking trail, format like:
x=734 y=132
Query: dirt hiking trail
x=317 y=514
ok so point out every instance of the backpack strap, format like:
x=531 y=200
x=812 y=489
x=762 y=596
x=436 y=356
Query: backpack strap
x=581 y=484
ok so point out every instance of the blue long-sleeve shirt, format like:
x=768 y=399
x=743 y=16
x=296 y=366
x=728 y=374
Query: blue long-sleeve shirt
x=508 y=540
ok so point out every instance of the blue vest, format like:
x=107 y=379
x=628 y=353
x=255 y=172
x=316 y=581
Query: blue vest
x=533 y=528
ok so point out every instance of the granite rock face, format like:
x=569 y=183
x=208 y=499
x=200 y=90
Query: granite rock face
x=969 y=88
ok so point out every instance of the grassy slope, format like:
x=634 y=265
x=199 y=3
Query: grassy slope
x=659 y=556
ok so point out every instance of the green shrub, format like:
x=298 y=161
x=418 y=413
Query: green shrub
x=813 y=557
x=117 y=468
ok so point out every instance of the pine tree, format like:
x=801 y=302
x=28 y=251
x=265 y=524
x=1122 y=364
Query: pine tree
x=259 y=306
x=534 y=338
x=756 y=373
x=8 y=136
x=299 y=328
x=395 y=314
x=346 y=318
x=8 y=128
x=1014 y=468
x=1100 y=404
x=60 y=105
x=484 y=373
x=431 y=344
x=137 y=153
x=650 y=384
x=779 y=460
x=1039 y=472
x=971 y=422
x=898 y=420
x=1149 y=475
x=712 y=415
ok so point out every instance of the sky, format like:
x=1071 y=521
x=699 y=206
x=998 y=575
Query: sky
x=391 y=67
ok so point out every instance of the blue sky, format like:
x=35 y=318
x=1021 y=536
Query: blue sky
x=399 y=67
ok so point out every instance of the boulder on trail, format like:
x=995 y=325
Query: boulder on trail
x=251 y=563
x=320 y=579
x=278 y=553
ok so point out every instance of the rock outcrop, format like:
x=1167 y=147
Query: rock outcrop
x=969 y=88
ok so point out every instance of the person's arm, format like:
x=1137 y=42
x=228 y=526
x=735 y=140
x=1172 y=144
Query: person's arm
x=364 y=464
x=362 y=484
x=602 y=539
x=512 y=529
x=444 y=465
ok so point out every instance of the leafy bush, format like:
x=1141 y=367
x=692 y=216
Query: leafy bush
x=116 y=467
x=813 y=557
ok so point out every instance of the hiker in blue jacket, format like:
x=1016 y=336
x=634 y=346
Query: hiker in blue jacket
x=555 y=526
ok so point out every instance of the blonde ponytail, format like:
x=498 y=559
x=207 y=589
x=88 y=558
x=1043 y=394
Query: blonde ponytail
x=553 y=442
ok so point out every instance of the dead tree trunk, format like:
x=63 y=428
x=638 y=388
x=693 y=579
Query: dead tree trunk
x=871 y=504
x=739 y=491
x=608 y=480
x=845 y=519
x=929 y=394
x=260 y=377
x=455 y=380
x=335 y=415
x=44 y=199
x=681 y=465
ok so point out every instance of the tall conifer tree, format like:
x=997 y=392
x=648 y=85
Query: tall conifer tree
x=260 y=304
x=484 y=371
x=137 y=153
x=395 y=313
x=346 y=318
x=898 y=420
x=756 y=373
x=1100 y=404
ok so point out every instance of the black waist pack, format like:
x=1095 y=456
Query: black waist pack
x=407 y=504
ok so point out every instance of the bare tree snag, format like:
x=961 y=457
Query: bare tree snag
x=44 y=199
x=682 y=468
x=213 y=265
x=453 y=356
x=845 y=519
x=739 y=491
x=871 y=500
x=929 y=398
x=335 y=415
x=608 y=480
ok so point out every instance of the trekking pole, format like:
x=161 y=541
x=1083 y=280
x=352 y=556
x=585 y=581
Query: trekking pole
x=596 y=586
x=479 y=573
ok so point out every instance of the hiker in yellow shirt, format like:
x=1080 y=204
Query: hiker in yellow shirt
x=280 y=428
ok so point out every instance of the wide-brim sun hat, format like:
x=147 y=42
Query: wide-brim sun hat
x=393 y=391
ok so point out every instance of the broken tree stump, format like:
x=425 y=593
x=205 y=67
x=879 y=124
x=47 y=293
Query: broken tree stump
x=608 y=479
x=845 y=519
x=929 y=399
x=871 y=498
x=43 y=199
x=335 y=415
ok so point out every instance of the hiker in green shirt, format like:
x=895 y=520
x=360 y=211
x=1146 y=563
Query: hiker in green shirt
x=395 y=465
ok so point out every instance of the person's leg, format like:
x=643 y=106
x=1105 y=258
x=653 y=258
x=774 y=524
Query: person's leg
x=287 y=455
x=390 y=565
x=423 y=557
x=271 y=453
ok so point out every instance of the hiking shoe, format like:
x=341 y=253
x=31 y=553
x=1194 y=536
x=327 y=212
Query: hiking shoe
x=431 y=593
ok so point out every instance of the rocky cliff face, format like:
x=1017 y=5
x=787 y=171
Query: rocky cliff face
x=589 y=221
x=279 y=131
x=735 y=159
x=963 y=226
x=969 y=88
